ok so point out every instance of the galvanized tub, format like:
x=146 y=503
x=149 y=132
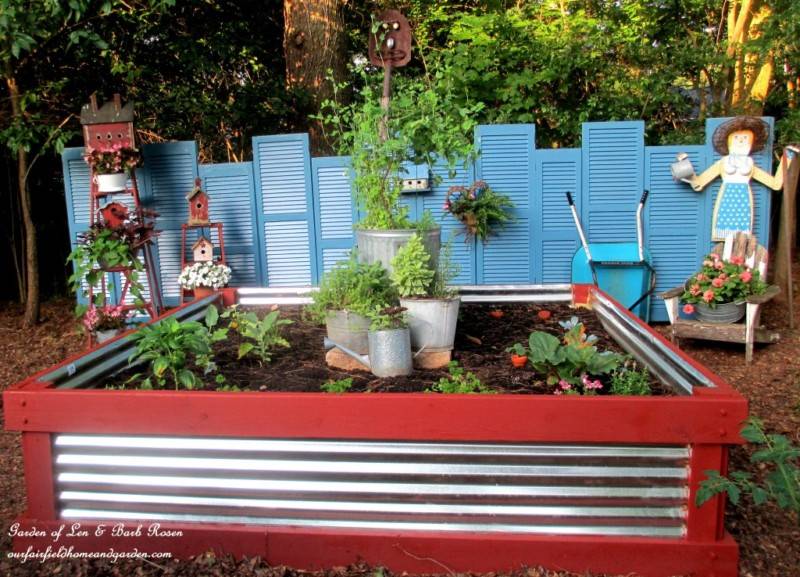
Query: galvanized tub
x=390 y=353
x=721 y=314
x=382 y=245
x=348 y=329
x=432 y=322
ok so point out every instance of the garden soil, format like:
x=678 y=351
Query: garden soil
x=769 y=538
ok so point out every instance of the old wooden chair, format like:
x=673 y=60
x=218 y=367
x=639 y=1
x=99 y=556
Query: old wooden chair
x=755 y=255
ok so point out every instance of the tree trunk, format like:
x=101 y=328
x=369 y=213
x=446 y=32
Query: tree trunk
x=750 y=75
x=313 y=43
x=31 y=253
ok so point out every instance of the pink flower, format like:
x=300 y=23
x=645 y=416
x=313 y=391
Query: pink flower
x=565 y=386
x=723 y=276
x=695 y=290
x=700 y=277
x=557 y=392
x=719 y=265
x=746 y=276
x=708 y=296
x=688 y=309
x=708 y=263
x=717 y=282
x=714 y=256
x=737 y=260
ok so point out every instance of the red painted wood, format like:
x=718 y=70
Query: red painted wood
x=424 y=552
x=38 y=466
x=705 y=523
x=418 y=416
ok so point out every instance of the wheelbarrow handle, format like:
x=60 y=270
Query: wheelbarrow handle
x=569 y=198
x=645 y=194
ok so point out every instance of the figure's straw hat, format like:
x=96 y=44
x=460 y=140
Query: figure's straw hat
x=758 y=127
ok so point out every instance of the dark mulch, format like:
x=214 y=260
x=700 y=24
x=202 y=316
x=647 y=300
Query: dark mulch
x=769 y=538
x=484 y=333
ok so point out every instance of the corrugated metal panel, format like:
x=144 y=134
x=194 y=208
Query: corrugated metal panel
x=613 y=179
x=675 y=217
x=288 y=253
x=547 y=489
x=506 y=163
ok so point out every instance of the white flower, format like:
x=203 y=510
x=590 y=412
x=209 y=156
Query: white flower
x=204 y=274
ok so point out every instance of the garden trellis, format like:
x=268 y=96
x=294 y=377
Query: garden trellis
x=289 y=217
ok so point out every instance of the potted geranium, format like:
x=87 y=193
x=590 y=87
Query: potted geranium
x=112 y=167
x=421 y=125
x=203 y=278
x=479 y=208
x=105 y=322
x=432 y=306
x=719 y=291
x=347 y=296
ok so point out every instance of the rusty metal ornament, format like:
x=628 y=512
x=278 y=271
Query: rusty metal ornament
x=391 y=44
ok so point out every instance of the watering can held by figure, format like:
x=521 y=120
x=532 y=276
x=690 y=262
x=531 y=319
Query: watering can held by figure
x=682 y=169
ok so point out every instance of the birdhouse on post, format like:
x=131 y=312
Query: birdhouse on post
x=198 y=205
x=203 y=250
x=109 y=125
x=114 y=214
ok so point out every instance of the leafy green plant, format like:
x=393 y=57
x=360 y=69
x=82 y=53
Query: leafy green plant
x=338 y=386
x=630 y=379
x=479 y=208
x=387 y=319
x=170 y=346
x=261 y=336
x=722 y=281
x=446 y=272
x=777 y=455
x=411 y=273
x=460 y=381
x=352 y=286
x=571 y=360
x=518 y=349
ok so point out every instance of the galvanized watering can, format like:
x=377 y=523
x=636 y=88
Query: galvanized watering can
x=389 y=353
x=682 y=169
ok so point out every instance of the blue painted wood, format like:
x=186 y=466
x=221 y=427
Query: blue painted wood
x=231 y=194
x=761 y=194
x=506 y=163
x=286 y=221
x=334 y=210
x=613 y=179
x=675 y=220
x=555 y=238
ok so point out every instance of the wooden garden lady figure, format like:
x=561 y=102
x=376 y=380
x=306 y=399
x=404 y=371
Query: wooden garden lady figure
x=734 y=208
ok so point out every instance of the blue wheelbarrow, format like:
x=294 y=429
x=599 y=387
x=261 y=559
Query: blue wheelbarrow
x=621 y=269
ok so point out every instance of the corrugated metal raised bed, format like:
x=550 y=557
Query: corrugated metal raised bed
x=415 y=482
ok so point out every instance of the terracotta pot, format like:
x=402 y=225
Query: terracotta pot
x=496 y=314
x=519 y=361
x=202 y=292
x=543 y=314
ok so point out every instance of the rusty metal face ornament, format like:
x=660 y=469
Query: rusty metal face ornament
x=391 y=44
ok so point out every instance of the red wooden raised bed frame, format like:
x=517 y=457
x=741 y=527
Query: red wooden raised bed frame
x=708 y=421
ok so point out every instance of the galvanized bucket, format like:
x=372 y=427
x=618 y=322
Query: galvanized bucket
x=432 y=322
x=722 y=313
x=382 y=245
x=390 y=353
x=348 y=329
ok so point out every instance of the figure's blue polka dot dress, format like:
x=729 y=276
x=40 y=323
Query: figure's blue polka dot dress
x=734 y=210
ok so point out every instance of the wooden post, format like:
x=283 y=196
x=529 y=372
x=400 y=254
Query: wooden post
x=786 y=238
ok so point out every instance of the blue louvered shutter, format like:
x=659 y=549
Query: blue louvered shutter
x=462 y=248
x=231 y=195
x=613 y=179
x=761 y=194
x=333 y=208
x=170 y=170
x=556 y=238
x=675 y=217
x=282 y=167
x=506 y=164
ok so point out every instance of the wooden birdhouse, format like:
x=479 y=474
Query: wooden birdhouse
x=203 y=250
x=109 y=125
x=198 y=204
x=114 y=214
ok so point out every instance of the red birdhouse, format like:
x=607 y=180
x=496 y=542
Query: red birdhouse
x=198 y=204
x=108 y=125
x=203 y=250
x=114 y=214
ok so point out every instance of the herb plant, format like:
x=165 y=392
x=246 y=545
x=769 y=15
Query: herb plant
x=170 y=346
x=570 y=359
x=518 y=349
x=460 y=381
x=630 y=379
x=261 y=336
x=352 y=286
x=387 y=319
x=779 y=458
x=411 y=273
x=338 y=386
